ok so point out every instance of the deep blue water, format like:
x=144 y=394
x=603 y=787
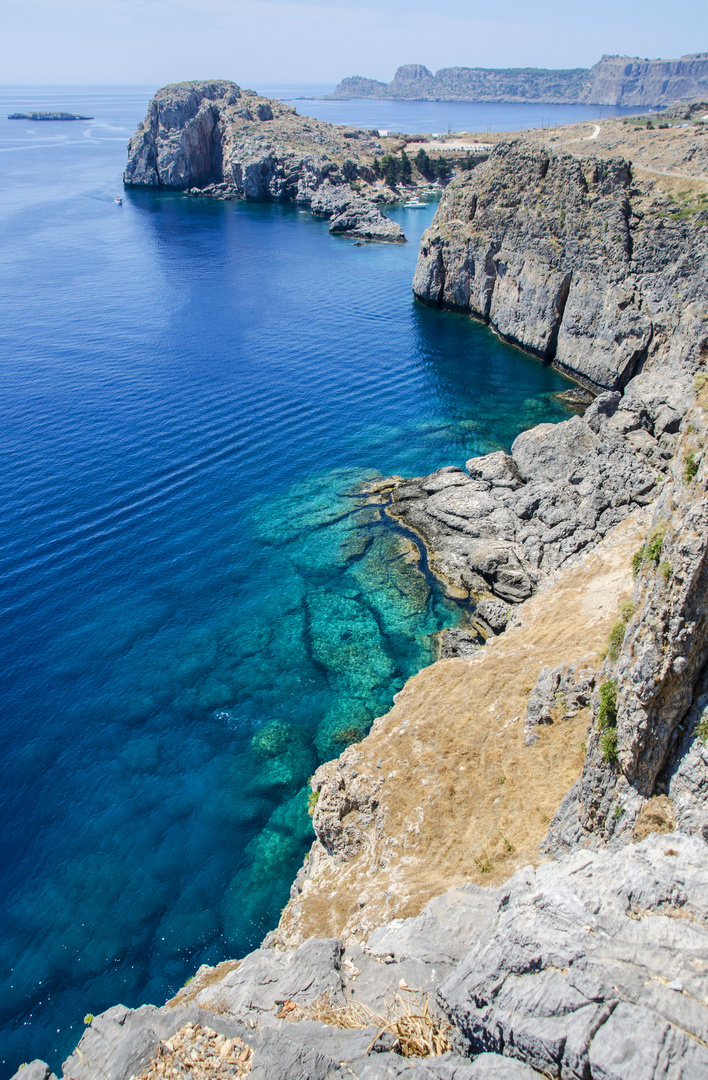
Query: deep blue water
x=196 y=608
x=437 y=116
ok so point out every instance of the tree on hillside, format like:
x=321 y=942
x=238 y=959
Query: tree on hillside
x=406 y=168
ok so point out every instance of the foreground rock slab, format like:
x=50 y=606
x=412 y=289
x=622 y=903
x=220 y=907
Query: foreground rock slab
x=593 y=967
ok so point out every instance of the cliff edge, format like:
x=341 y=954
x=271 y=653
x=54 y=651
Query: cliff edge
x=572 y=259
x=213 y=138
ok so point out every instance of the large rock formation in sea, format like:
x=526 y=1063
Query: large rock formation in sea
x=571 y=259
x=614 y=80
x=213 y=138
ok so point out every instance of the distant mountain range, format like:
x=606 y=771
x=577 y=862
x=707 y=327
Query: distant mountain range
x=614 y=80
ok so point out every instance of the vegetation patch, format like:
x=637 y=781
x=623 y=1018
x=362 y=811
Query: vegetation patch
x=650 y=553
x=690 y=466
x=417 y=1031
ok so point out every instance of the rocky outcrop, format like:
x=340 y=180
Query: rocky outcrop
x=614 y=80
x=590 y=967
x=571 y=260
x=625 y=80
x=646 y=741
x=215 y=139
x=510 y=520
x=415 y=82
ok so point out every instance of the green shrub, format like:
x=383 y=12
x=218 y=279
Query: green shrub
x=616 y=638
x=627 y=610
x=607 y=712
x=187 y=981
x=652 y=548
x=637 y=560
x=88 y=1019
x=312 y=802
x=700 y=382
x=702 y=729
x=665 y=569
x=608 y=745
x=690 y=466
x=483 y=864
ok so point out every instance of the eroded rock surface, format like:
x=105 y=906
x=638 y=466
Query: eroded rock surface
x=572 y=260
x=213 y=138
x=509 y=521
x=649 y=738
x=593 y=966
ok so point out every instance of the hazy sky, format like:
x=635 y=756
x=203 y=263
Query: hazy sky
x=275 y=41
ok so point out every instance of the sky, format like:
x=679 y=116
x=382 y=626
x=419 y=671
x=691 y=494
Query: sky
x=287 y=41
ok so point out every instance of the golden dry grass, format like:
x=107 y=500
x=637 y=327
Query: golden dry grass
x=417 y=1031
x=463 y=797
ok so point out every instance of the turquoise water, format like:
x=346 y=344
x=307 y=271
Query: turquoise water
x=197 y=606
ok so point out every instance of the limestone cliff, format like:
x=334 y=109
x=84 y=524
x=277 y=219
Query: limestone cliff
x=213 y=138
x=614 y=80
x=625 y=80
x=571 y=259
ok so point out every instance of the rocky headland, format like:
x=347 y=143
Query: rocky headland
x=509 y=874
x=215 y=139
x=614 y=80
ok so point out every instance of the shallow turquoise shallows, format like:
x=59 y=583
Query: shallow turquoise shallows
x=197 y=609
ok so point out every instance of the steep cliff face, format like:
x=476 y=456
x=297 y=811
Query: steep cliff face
x=624 y=80
x=644 y=738
x=216 y=139
x=178 y=145
x=571 y=260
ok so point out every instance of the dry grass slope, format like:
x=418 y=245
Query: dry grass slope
x=463 y=797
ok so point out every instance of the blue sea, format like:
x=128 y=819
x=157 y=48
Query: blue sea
x=197 y=605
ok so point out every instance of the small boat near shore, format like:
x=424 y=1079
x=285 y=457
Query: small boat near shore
x=118 y=201
x=414 y=204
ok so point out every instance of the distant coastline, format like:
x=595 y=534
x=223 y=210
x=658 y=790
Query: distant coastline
x=614 y=80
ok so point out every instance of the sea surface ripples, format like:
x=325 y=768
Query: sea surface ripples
x=197 y=607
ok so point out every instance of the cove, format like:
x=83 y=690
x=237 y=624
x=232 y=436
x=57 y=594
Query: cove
x=197 y=605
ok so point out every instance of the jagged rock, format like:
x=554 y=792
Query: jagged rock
x=267 y=978
x=213 y=138
x=493 y=614
x=656 y=671
x=34 y=1070
x=559 y=693
x=688 y=773
x=570 y=259
x=364 y=220
x=456 y=641
x=518 y=517
x=591 y=966
x=581 y=973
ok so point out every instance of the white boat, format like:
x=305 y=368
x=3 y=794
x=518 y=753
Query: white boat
x=414 y=204
x=118 y=200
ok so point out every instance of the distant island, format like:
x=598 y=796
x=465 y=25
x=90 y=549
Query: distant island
x=47 y=116
x=614 y=80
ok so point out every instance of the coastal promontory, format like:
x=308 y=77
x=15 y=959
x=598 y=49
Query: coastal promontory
x=214 y=139
x=614 y=80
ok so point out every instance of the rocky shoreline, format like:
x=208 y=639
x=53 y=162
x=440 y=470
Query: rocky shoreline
x=216 y=140
x=419 y=924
